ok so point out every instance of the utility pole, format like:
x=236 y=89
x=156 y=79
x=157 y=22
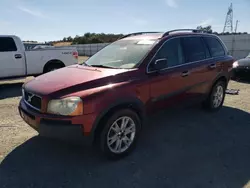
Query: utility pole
x=228 y=27
x=236 y=26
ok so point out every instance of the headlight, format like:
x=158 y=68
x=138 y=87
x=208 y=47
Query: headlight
x=71 y=106
x=235 y=64
x=22 y=92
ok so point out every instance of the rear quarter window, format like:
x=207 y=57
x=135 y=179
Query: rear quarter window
x=215 y=47
x=7 y=44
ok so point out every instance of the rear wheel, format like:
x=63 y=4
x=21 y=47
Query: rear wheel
x=119 y=134
x=216 y=98
x=53 y=66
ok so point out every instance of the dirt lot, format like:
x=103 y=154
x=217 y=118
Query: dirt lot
x=82 y=59
x=177 y=148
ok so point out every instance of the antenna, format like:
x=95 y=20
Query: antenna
x=228 y=27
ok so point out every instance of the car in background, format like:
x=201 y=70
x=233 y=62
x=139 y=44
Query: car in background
x=42 y=47
x=32 y=45
x=107 y=98
x=241 y=68
x=17 y=62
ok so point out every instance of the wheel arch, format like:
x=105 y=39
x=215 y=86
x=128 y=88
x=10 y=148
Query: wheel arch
x=130 y=103
x=53 y=61
x=223 y=78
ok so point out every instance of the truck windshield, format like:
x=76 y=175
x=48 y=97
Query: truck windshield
x=124 y=54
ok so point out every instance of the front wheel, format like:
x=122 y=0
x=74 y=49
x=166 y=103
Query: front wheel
x=120 y=133
x=216 y=98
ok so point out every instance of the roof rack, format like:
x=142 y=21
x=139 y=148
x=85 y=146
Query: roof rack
x=138 y=33
x=171 y=31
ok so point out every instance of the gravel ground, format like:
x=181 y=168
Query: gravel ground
x=178 y=148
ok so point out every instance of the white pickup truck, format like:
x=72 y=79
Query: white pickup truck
x=16 y=62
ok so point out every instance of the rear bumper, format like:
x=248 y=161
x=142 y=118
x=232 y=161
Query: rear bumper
x=53 y=126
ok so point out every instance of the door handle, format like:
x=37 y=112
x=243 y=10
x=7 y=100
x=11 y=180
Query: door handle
x=18 y=56
x=212 y=66
x=185 y=73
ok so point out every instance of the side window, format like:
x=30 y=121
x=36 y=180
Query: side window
x=7 y=44
x=215 y=47
x=194 y=49
x=208 y=55
x=172 y=51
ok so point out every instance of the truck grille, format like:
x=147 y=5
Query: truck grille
x=33 y=100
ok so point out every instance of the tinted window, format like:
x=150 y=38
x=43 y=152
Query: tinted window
x=215 y=47
x=208 y=55
x=194 y=49
x=172 y=51
x=7 y=44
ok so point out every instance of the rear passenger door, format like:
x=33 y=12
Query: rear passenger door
x=218 y=53
x=197 y=62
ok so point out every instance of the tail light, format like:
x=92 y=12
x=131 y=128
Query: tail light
x=75 y=54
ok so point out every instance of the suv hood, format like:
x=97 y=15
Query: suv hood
x=76 y=75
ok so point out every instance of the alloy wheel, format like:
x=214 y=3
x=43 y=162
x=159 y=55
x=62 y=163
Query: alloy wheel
x=121 y=134
x=218 y=96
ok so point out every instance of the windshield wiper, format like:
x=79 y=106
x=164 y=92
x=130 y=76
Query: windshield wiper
x=85 y=64
x=104 y=66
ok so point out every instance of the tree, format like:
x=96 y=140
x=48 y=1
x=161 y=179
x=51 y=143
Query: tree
x=69 y=39
x=89 y=38
x=207 y=29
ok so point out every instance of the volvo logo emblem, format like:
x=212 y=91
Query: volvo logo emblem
x=30 y=97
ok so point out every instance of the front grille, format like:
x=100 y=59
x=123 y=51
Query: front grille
x=33 y=100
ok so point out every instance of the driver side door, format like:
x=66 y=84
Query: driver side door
x=167 y=86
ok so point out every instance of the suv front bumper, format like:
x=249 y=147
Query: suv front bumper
x=241 y=72
x=52 y=126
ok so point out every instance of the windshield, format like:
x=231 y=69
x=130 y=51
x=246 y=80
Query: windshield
x=125 y=54
x=248 y=55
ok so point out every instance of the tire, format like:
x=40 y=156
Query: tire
x=123 y=142
x=215 y=100
x=53 y=66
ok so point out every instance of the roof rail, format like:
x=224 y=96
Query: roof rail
x=138 y=33
x=171 y=31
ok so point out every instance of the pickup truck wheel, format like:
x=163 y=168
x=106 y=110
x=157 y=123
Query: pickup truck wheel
x=53 y=66
x=119 y=134
x=216 y=98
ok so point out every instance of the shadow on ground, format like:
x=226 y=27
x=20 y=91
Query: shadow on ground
x=178 y=148
x=10 y=90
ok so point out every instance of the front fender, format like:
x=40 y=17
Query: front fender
x=123 y=102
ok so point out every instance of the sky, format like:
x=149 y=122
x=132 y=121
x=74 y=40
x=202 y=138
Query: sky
x=46 y=20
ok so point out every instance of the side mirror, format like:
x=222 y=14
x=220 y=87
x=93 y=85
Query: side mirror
x=160 y=64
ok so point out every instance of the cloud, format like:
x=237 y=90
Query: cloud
x=140 y=22
x=206 y=22
x=32 y=12
x=203 y=23
x=172 y=3
x=4 y=23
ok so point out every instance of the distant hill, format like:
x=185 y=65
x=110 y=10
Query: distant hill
x=61 y=43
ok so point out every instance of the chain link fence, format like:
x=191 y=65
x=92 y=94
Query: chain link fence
x=89 y=49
